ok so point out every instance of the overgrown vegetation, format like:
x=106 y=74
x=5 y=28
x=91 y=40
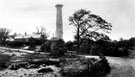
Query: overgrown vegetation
x=4 y=32
x=85 y=67
x=121 y=48
x=57 y=48
x=4 y=59
x=68 y=66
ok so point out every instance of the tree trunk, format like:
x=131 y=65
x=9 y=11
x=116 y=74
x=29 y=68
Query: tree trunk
x=78 y=40
x=88 y=46
x=91 y=49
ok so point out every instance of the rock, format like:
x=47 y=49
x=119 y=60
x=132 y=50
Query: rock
x=73 y=69
x=45 y=70
x=86 y=67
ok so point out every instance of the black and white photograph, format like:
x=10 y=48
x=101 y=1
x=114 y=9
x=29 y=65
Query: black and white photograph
x=67 y=38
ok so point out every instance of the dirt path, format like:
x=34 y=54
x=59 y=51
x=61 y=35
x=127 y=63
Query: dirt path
x=13 y=49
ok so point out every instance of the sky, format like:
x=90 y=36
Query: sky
x=25 y=15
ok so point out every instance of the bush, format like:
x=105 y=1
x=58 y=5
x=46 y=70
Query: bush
x=86 y=67
x=33 y=42
x=16 y=44
x=70 y=46
x=57 y=48
x=4 y=60
x=46 y=47
x=100 y=68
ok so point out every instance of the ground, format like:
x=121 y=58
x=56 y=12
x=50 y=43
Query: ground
x=120 y=67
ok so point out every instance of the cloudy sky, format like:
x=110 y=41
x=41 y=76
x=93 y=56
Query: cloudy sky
x=25 y=15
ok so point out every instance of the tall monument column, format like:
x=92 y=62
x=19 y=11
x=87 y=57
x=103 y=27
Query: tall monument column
x=59 y=23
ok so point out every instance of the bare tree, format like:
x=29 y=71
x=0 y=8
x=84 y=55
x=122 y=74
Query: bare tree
x=88 y=26
x=4 y=34
x=13 y=35
x=42 y=31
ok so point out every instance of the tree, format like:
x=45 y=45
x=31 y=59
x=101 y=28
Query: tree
x=13 y=35
x=25 y=33
x=42 y=31
x=89 y=25
x=4 y=34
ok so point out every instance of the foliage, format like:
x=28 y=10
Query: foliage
x=113 y=48
x=16 y=44
x=4 y=33
x=85 y=47
x=89 y=25
x=33 y=42
x=86 y=67
x=70 y=46
x=122 y=48
x=101 y=68
x=46 y=47
x=14 y=35
x=4 y=59
x=131 y=43
x=99 y=46
x=44 y=34
x=77 y=66
x=57 y=48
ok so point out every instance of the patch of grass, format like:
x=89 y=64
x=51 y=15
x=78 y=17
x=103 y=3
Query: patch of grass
x=119 y=71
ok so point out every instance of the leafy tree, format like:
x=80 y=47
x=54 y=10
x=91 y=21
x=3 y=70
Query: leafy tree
x=4 y=34
x=89 y=25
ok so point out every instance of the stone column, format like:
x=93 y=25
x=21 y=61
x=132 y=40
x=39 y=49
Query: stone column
x=59 y=23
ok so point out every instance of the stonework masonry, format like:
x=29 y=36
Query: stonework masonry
x=59 y=22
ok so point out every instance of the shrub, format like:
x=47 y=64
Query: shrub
x=46 y=47
x=33 y=41
x=100 y=68
x=57 y=48
x=4 y=60
x=70 y=46
x=86 y=67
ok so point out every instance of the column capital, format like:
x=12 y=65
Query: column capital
x=58 y=5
